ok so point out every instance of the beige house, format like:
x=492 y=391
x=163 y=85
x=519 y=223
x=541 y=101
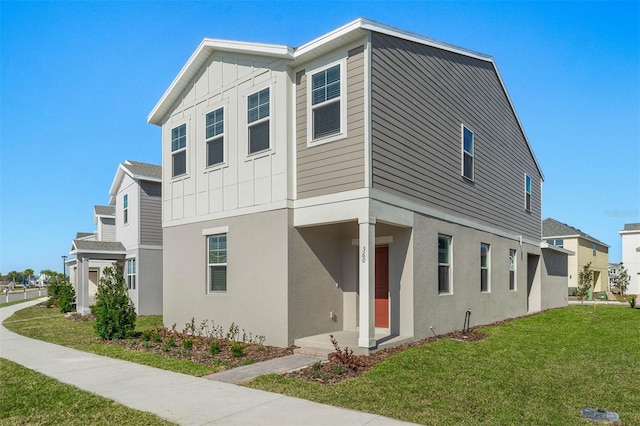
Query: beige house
x=585 y=248
x=371 y=183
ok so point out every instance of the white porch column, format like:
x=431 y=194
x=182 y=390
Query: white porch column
x=82 y=298
x=366 y=260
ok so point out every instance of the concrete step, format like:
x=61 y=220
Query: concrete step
x=320 y=353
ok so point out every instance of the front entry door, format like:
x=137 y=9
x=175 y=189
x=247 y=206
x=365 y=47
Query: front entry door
x=382 y=287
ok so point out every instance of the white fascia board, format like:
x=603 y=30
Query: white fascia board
x=197 y=59
x=560 y=237
x=547 y=246
x=117 y=180
x=629 y=232
x=328 y=37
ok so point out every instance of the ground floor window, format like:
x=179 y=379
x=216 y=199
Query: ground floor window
x=131 y=274
x=484 y=267
x=512 y=269
x=444 y=264
x=217 y=262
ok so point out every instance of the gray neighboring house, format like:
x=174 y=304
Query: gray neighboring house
x=371 y=183
x=128 y=232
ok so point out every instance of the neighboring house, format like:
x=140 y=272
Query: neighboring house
x=586 y=249
x=370 y=180
x=614 y=272
x=631 y=255
x=128 y=232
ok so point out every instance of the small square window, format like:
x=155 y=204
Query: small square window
x=467 y=153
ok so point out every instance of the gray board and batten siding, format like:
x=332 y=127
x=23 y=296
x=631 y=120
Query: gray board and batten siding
x=339 y=165
x=421 y=95
x=150 y=213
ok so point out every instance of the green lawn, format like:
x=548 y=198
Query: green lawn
x=50 y=325
x=540 y=370
x=30 y=398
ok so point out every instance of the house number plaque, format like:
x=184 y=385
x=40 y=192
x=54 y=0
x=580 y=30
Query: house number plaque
x=364 y=254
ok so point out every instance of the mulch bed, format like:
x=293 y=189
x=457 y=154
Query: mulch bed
x=343 y=365
x=171 y=344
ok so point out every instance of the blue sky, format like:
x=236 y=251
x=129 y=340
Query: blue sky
x=78 y=80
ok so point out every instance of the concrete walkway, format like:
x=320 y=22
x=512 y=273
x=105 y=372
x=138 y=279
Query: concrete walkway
x=277 y=365
x=176 y=397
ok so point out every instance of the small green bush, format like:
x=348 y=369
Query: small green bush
x=632 y=301
x=146 y=336
x=66 y=297
x=114 y=310
x=237 y=349
x=156 y=337
x=214 y=348
x=187 y=344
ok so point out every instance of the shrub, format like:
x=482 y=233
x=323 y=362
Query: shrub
x=214 y=348
x=146 y=335
x=66 y=297
x=632 y=301
x=187 y=344
x=237 y=349
x=114 y=310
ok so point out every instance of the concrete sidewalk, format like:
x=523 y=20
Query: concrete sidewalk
x=176 y=397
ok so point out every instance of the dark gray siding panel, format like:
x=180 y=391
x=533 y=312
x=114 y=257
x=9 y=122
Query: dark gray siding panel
x=420 y=98
x=150 y=213
x=335 y=166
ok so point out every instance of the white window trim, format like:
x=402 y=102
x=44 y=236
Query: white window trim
x=125 y=210
x=488 y=267
x=342 y=99
x=450 y=264
x=223 y=135
x=172 y=126
x=208 y=284
x=134 y=275
x=526 y=176
x=472 y=154
x=515 y=269
x=270 y=150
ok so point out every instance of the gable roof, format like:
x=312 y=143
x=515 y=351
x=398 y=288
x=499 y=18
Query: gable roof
x=322 y=45
x=84 y=235
x=108 y=211
x=103 y=247
x=551 y=228
x=137 y=171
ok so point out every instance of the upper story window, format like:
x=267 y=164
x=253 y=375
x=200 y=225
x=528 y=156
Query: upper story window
x=444 y=264
x=179 y=150
x=467 y=153
x=484 y=268
x=325 y=102
x=125 y=208
x=258 y=111
x=214 y=134
x=558 y=242
x=527 y=193
x=594 y=247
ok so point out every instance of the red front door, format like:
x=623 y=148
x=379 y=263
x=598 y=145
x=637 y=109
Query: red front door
x=382 y=286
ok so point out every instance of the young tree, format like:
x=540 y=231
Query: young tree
x=585 y=281
x=114 y=310
x=622 y=280
x=27 y=273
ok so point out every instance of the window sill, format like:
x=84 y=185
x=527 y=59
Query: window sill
x=326 y=139
x=259 y=154
x=214 y=168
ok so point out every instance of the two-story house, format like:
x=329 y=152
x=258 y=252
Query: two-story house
x=129 y=233
x=630 y=236
x=585 y=248
x=370 y=181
